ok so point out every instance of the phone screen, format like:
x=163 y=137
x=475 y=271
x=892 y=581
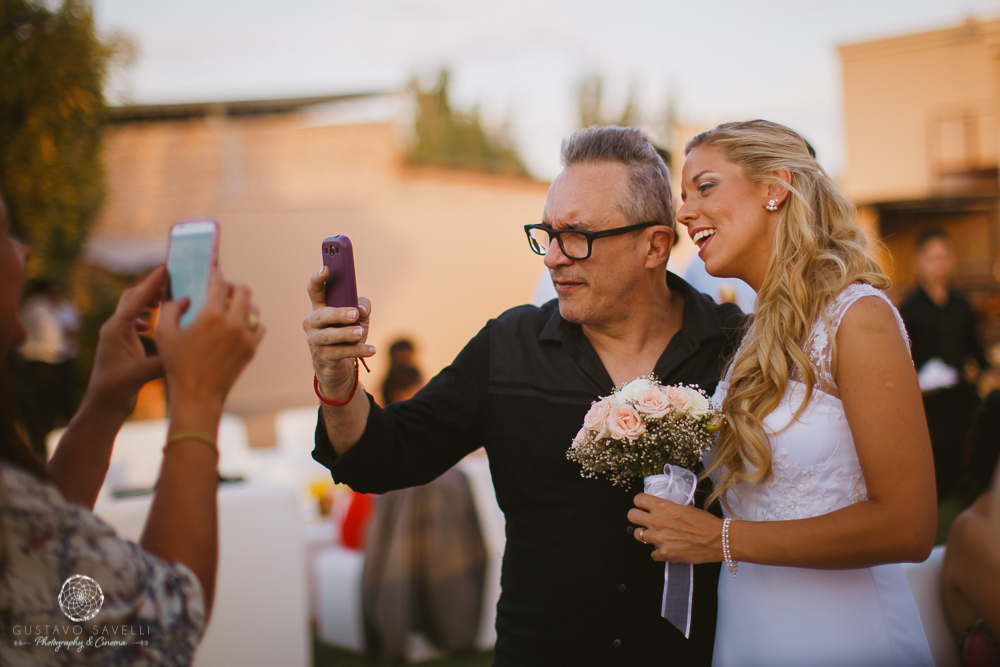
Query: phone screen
x=191 y=248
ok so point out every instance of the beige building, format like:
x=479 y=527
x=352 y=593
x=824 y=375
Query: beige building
x=438 y=252
x=923 y=137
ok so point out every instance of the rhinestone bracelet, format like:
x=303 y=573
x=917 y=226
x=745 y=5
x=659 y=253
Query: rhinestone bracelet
x=731 y=565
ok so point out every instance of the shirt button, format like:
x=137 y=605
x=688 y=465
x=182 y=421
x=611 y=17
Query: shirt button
x=621 y=588
x=629 y=529
x=616 y=643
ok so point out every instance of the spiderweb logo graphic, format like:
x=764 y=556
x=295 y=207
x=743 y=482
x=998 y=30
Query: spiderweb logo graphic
x=80 y=598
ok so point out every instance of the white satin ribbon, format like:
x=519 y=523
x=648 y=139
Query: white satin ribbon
x=677 y=485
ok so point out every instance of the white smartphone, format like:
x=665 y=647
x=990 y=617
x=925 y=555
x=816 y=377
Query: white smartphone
x=191 y=256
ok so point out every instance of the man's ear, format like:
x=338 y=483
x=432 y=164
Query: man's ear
x=661 y=241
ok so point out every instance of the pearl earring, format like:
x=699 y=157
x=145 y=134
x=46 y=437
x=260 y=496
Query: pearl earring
x=772 y=205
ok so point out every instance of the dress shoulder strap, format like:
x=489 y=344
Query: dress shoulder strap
x=819 y=343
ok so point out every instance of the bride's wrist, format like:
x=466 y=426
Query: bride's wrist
x=727 y=551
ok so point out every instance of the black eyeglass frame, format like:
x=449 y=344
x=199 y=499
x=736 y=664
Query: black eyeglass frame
x=590 y=236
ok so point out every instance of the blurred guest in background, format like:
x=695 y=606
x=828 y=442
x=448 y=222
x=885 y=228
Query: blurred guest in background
x=941 y=327
x=401 y=383
x=970 y=577
x=403 y=378
x=402 y=353
x=52 y=324
x=164 y=586
x=425 y=560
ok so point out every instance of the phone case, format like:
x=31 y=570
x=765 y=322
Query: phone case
x=168 y=295
x=341 y=285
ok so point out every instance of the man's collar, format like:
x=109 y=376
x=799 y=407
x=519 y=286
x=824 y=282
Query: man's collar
x=702 y=317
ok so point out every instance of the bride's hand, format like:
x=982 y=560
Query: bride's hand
x=677 y=533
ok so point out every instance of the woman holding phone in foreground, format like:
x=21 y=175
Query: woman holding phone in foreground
x=161 y=590
x=823 y=465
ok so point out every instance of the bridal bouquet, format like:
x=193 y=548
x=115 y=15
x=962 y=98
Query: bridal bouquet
x=642 y=427
x=659 y=433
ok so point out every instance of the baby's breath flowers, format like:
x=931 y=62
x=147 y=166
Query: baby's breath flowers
x=643 y=426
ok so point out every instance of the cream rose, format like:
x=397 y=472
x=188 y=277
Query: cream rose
x=699 y=404
x=624 y=421
x=652 y=401
x=597 y=416
x=630 y=392
x=679 y=399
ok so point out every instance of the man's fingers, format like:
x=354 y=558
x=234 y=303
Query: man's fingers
x=332 y=336
x=365 y=304
x=334 y=353
x=317 y=288
x=324 y=317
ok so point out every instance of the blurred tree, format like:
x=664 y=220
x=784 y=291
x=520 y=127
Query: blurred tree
x=51 y=110
x=590 y=104
x=448 y=138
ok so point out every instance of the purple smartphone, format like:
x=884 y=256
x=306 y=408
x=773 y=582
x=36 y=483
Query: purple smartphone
x=341 y=286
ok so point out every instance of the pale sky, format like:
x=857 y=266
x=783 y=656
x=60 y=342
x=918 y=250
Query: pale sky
x=522 y=60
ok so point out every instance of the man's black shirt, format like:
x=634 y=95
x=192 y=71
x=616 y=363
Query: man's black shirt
x=578 y=589
x=947 y=332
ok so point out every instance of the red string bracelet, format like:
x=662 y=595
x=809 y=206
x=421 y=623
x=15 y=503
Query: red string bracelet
x=354 y=388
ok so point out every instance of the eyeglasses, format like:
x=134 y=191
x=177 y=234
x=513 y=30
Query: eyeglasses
x=575 y=244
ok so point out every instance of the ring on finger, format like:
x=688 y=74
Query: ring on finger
x=641 y=538
x=253 y=321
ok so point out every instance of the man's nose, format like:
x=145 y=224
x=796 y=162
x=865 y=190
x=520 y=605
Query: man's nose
x=554 y=256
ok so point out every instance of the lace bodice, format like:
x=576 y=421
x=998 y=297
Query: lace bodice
x=815 y=468
x=819 y=342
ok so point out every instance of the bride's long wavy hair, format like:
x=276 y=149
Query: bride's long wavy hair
x=818 y=251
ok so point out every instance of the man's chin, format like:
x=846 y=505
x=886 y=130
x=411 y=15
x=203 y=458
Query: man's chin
x=570 y=311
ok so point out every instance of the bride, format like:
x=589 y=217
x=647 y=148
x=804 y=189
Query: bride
x=824 y=464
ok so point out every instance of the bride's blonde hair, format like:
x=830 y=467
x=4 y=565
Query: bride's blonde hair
x=818 y=251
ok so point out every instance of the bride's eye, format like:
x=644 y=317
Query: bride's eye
x=704 y=187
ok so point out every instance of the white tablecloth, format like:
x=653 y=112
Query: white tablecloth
x=261 y=603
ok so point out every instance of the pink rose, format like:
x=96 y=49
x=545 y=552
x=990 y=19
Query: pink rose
x=580 y=438
x=652 y=401
x=597 y=416
x=624 y=421
x=679 y=399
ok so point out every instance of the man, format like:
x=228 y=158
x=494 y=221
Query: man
x=942 y=332
x=578 y=587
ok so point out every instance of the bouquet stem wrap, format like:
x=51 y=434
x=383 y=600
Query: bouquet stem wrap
x=676 y=485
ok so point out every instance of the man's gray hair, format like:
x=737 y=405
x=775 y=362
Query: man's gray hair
x=649 y=197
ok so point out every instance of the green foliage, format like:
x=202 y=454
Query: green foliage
x=448 y=138
x=590 y=103
x=51 y=110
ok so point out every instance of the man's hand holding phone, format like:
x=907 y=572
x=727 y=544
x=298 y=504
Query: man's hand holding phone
x=333 y=342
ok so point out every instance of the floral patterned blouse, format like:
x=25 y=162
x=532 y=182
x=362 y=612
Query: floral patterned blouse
x=152 y=612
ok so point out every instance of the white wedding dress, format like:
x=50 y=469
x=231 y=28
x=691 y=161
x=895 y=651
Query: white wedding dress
x=786 y=616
